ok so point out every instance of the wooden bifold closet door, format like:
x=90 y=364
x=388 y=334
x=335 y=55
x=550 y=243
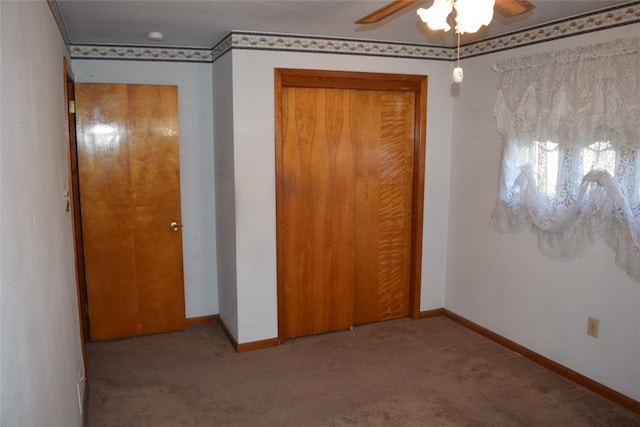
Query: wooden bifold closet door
x=346 y=159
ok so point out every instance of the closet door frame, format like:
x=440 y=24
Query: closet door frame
x=302 y=78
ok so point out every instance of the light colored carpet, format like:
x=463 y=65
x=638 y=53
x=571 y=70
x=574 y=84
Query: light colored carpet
x=404 y=372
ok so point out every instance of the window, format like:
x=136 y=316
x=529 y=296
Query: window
x=548 y=160
x=571 y=160
x=543 y=156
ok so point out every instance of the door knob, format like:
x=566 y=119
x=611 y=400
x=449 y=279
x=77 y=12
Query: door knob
x=174 y=226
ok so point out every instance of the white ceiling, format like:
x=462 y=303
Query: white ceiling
x=188 y=23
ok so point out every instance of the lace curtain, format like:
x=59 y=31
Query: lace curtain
x=571 y=157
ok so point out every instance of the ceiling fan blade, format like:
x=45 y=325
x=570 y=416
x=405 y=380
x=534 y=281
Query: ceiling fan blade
x=385 y=11
x=510 y=8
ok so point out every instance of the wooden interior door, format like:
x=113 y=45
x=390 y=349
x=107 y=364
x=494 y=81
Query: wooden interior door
x=318 y=210
x=128 y=166
x=384 y=141
x=346 y=157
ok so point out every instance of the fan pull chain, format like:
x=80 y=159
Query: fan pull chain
x=458 y=50
x=457 y=72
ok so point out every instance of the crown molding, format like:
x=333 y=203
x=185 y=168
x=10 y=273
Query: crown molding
x=616 y=16
x=57 y=15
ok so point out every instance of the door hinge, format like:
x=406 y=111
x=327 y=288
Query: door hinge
x=72 y=106
x=85 y=309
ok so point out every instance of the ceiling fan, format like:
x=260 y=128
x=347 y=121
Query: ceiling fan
x=470 y=16
x=506 y=8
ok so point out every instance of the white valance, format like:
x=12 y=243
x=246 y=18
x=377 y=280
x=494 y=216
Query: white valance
x=573 y=96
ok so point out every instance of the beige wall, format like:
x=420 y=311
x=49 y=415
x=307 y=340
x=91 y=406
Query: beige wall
x=254 y=176
x=41 y=360
x=502 y=280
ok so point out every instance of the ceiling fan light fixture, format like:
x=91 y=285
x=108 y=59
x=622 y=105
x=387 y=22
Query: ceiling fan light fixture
x=470 y=14
x=473 y=14
x=436 y=16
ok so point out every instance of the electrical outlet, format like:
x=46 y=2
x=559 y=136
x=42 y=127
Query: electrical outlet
x=593 y=327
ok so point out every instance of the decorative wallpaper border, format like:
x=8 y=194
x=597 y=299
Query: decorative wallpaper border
x=140 y=53
x=586 y=23
x=607 y=18
x=335 y=45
